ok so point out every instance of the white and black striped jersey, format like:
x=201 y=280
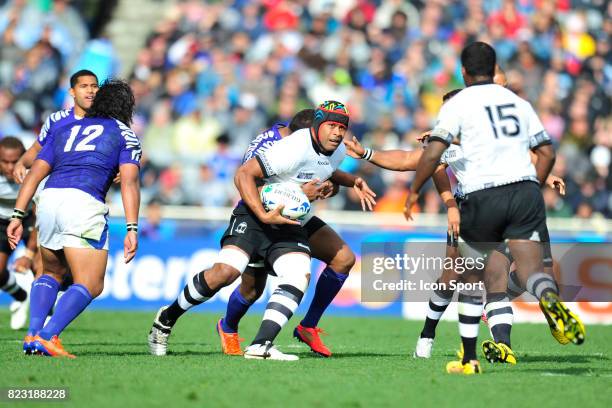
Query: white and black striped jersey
x=8 y=197
x=297 y=159
x=496 y=129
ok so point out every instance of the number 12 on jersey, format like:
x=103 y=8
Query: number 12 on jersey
x=504 y=119
x=91 y=132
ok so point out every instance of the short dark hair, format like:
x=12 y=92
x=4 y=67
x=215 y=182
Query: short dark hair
x=74 y=79
x=450 y=94
x=478 y=59
x=114 y=100
x=302 y=119
x=10 y=142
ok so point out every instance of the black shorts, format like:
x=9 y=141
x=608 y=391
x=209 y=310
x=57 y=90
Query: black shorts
x=28 y=227
x=546 y=249
x=263 y=241
x=513 y=211
x=313 y=225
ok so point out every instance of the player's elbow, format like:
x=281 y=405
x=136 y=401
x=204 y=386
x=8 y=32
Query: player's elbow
x=239 y=176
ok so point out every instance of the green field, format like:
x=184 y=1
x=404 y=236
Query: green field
x=372 y=366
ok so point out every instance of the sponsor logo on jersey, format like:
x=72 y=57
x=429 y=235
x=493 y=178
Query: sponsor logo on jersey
x=323 y=162
x=305 y=175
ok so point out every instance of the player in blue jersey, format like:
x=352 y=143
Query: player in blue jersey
x=83 y=88
x=81 y=161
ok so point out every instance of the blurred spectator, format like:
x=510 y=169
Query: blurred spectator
x=154 y=228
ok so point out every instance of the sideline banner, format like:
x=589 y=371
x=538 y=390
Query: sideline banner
x=179 y=249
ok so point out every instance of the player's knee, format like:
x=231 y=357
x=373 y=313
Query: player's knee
x=250 y=293
x=251 y=288
x=344 y=261
x=96 y=289
x=221 y=275
x=293 y=269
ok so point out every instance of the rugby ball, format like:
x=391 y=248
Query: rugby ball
x=288 y=194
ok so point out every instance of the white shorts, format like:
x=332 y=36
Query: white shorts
x=41 y=187
x=67 y=217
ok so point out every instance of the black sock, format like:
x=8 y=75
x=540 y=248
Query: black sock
x=268 y=330
x=194 y=293
x=438 y=303
x=169 y=316
x=540 y=284
x=283 y=302
x=469 y=349
x=500 y=317
x=9 y=285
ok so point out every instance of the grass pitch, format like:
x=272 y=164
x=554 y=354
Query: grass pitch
x=372 y=366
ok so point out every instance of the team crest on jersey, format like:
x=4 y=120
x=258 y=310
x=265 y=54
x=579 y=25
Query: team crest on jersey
x=241 y=228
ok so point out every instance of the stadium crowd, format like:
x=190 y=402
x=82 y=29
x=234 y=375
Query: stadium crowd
x=212 y=75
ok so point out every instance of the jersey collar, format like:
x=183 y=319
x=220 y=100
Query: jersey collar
x=485 y=82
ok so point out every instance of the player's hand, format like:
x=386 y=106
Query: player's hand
x=19 y=172
x=275 y=217
x=354 y=148
x=556 y=183
x=130 y=245
x=411 y=201
x=23 y=264
x=14 y=231
x=312 y=189
x=454 y=220
x=365 y=194
x=329 y=189
x=423 y=137
x=117 y=178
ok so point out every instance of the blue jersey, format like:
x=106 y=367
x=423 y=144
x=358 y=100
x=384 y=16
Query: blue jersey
x=86 y=155
x=264 y=140
x=55 y=121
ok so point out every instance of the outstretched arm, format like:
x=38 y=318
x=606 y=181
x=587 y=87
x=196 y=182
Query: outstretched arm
x=428 y=163
x=397 y=160
x=365 y=194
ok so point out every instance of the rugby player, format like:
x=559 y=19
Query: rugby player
x=254 y=235
x=325 y=245
x=81 y=161
x=502 y=200
x=440 y=300
x=470 y=304
x=11 y=149
x=83 y=88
